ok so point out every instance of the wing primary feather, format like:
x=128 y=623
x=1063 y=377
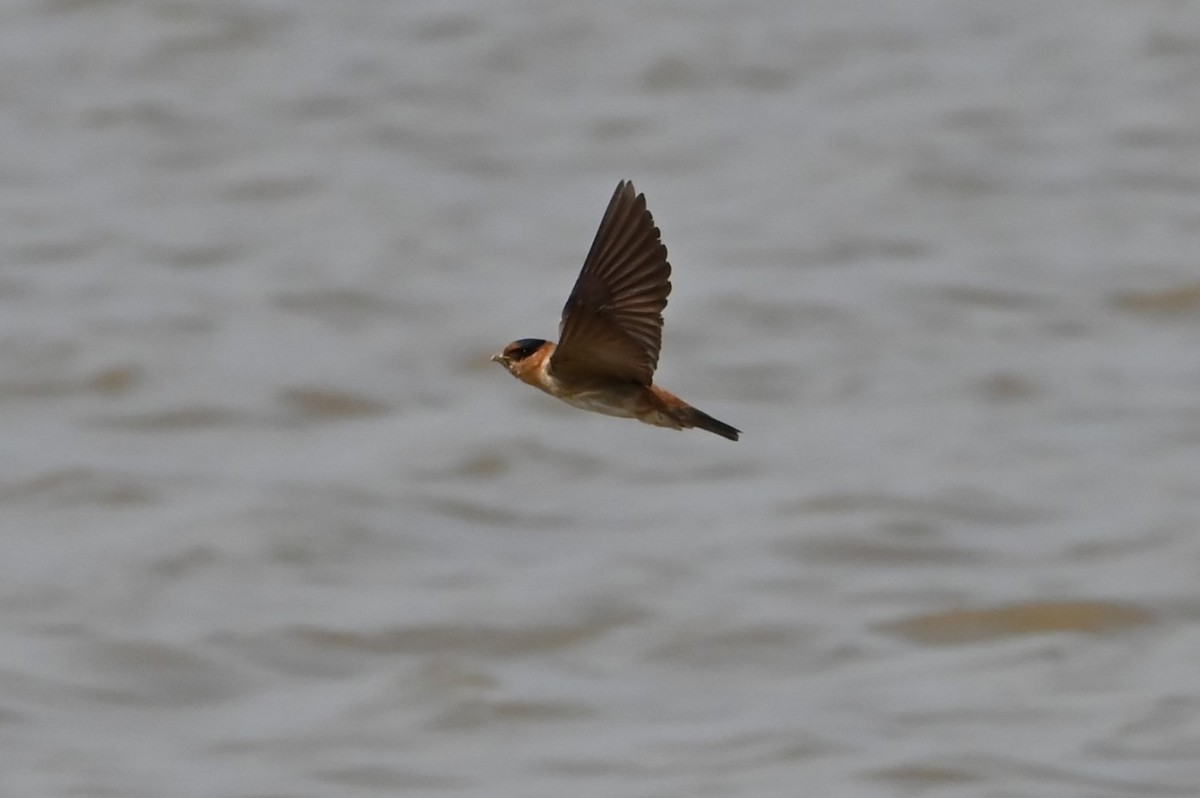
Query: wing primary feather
x=612 y=321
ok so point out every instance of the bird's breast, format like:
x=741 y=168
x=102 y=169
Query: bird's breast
x=606 y=401
x=611 y=397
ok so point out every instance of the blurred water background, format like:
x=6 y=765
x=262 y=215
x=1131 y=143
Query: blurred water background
x=273 y=526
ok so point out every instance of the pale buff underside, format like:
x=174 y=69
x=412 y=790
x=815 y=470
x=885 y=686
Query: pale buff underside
x=622 y=400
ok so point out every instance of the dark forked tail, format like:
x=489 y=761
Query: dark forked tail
x=701 y=420
x=668 y=410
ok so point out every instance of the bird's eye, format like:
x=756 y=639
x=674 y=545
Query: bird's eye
x=523 y=349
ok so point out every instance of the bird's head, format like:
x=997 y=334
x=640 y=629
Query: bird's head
x=517 y=351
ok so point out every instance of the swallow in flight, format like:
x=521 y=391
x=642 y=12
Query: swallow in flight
x=611 y=328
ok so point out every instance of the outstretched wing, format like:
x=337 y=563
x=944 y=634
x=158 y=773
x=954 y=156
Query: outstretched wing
x=612 y=323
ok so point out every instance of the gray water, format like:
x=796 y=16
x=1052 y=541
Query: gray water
x=274 y=526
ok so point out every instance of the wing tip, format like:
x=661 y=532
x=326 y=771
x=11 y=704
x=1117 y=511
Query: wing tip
x=625 y=189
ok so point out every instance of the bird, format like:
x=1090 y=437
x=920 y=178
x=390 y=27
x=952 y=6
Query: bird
x=610 y=333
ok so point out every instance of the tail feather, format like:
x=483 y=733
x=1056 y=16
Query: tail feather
x=701 y=420
x=668 y=410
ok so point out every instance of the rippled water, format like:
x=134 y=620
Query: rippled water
x=273 y=525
